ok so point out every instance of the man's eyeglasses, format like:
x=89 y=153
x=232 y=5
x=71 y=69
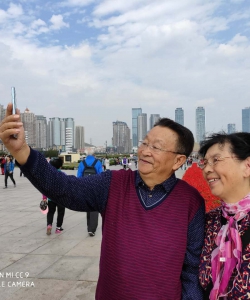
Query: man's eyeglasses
x=143 y=145
x=211 y=161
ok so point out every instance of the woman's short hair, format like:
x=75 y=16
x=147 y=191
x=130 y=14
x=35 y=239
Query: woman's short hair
x=239 y=143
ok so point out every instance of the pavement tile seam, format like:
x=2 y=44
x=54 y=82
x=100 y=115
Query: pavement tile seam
x=13 y=261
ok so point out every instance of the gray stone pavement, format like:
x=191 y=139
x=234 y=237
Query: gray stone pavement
x=34 y=266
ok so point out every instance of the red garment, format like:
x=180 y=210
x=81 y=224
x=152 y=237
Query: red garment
x=2 y=165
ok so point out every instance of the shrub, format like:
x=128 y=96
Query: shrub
x=194 y=177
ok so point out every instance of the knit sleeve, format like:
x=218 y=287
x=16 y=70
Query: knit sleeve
x=81 y=194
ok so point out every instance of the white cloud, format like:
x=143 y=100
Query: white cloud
x=151 y=54
x=110 y=6
x=82 y=51
x=37 y=23
x=57 y=22
x=239 y=39
x=76 y=3
x=14 y=10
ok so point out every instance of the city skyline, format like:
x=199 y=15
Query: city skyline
x=144 y=120
x=95 y=60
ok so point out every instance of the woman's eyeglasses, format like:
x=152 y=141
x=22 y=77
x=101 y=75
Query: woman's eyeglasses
x=212 y=161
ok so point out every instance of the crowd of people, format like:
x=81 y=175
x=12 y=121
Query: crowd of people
x=125 y=162
x=145 y=252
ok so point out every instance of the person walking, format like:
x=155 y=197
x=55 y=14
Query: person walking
x=3 y=161
x=107 y=164
x=153 y=223
x=90 y=166
x=8 y=171
x=124 y=162
x=104 y=164
x=52 y=206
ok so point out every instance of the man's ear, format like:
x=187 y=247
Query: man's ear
x=179 y=161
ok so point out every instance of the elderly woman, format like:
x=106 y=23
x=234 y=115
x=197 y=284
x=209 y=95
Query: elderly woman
x=225 y=259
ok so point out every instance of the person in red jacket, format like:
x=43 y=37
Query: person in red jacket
x=3 y=161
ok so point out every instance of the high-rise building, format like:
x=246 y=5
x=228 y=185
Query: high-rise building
x=69 y=133
x=141 y=126
x=2 y=113
x=179 y=115
x=231 y=128
x=153 y=119
x=135 y=113
x=61 y=133
x=121 y=137
x=200 y=124
x=41 y=132
x=246 y=119
x=79 y=138
x=29 y=125
x=54 y=132
x=68 y=139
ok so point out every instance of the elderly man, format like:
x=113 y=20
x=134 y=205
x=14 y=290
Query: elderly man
x=153 y=223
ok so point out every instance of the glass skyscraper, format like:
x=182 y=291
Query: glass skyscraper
x=61 y=133
x=179 y=116
x=153 y=119
x=79 y=137
x=121 y=137
x=246 y=119
x=135 y=113
x=200 y=124
x=41 y=132
x=142 y=126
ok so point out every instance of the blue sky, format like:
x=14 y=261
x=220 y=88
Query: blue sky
x=94 y=60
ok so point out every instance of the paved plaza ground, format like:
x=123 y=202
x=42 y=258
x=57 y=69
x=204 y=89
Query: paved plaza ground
x=34 y=266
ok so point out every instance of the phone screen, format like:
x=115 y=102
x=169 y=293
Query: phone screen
x=13 y=94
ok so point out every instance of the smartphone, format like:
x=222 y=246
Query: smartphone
x=13 y=94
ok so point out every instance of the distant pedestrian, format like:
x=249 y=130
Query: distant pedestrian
x=57 y=163
x=3 y=161
x=124 y=162
x=8 y=171
x=103 y=164
x=90 y=166
x=107 y=167
x=135 y=162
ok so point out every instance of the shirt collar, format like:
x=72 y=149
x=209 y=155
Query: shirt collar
x=167 y=184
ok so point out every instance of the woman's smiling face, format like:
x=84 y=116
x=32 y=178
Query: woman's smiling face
x=226 y=178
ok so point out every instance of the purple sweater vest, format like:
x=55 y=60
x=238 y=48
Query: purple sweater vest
x=142 y=250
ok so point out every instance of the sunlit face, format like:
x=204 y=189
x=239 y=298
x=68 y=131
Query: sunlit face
x=160 y=165
x=226 y=178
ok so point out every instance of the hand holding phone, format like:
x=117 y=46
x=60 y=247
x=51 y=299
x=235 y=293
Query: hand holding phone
x=13 y=94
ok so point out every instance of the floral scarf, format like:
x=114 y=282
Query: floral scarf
x=227 y=256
